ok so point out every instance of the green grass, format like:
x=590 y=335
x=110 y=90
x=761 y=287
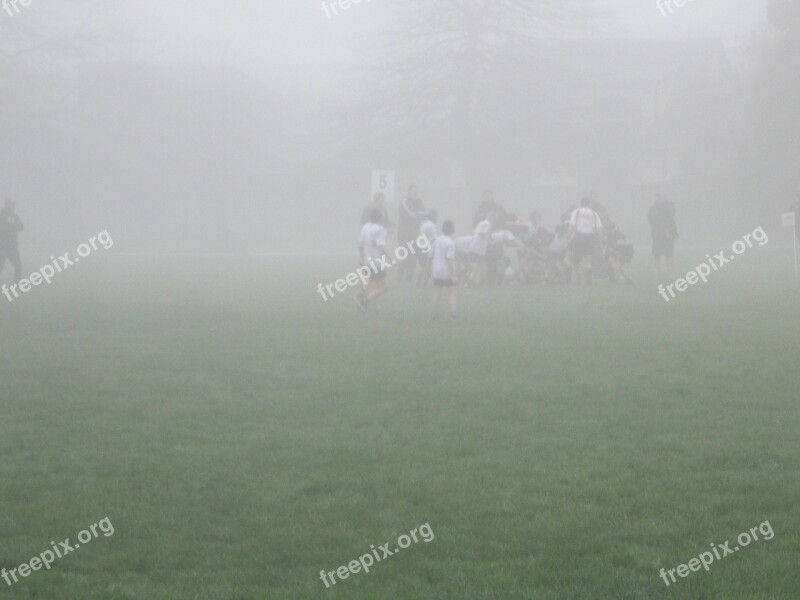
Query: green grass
x=242 y=434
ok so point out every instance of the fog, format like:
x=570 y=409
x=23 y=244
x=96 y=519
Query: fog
x=290 y=285
x=254 y=127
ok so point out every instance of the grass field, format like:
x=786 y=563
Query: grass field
x=242 y=435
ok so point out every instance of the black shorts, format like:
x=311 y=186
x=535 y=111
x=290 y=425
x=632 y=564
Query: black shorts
x=583 y=244
x=378 y=275
x=443 y=282
x=663 y=247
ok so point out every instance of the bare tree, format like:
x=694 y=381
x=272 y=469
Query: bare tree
x=32 y=37
x=463 y=71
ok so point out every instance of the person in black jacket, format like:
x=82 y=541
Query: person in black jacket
x=10 y=226
x=489 y=205
x=410 y=215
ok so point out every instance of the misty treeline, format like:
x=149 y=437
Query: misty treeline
x=769 y=157
x=455 y=95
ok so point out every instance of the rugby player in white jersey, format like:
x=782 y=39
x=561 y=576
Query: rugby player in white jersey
x=585 y=228
x=372 y=251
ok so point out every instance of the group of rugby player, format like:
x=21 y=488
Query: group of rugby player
x=585 y=245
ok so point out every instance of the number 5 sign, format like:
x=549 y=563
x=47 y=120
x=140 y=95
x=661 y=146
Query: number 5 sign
x=383 y=183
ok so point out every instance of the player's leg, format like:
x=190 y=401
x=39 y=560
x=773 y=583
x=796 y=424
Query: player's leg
x=16 y=263
x=480 y=270
x=657 y=269
x=617 y=273
x=374 y=286
x=471 y=270
x=625 y=277
x=594 y=252
x=406 y=267
x=401 y=270
x=453 y=301
x=437 y=293
x=550 y=269
x=424 y=273
x=669 y=266
x=401 y=265
x=586 y=263
x=373 y=291
x=472 y=275
x=577 y=261
x=382 y=288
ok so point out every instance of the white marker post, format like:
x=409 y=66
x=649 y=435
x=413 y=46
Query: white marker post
x=790 y=221
x=383 y=183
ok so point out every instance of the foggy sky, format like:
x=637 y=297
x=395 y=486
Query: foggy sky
x=281 y=147
x=292 y=42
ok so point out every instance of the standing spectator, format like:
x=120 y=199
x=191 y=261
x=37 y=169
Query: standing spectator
x=489 y=205
x=665 y=232
x=410 y=216
x=10 y=226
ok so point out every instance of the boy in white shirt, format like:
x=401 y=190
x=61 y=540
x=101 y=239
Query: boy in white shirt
x=428 y=229
x=445 y=274
x=372 y=250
